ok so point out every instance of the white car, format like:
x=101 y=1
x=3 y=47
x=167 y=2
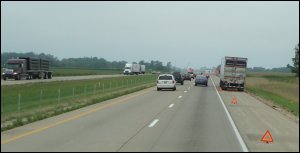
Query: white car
x=166 y=81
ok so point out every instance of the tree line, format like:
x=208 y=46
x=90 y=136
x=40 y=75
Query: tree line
x=86 y=62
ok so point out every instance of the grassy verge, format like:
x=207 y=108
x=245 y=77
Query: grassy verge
x=280 y=88
x=283 y=102
x=23 y=104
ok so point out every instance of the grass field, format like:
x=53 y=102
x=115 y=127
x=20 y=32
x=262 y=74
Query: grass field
x=82 y=71
x=280 y=88
x=21 y=104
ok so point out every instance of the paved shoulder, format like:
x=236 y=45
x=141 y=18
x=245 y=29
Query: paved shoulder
x=253 y=118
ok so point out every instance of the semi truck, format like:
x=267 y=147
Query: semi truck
x=134 y=69
x=233 y=73
x=143 y=69
x=27 y=67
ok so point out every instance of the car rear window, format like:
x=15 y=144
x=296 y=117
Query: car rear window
x=165 y=77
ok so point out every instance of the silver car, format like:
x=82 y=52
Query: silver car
x=166 y=81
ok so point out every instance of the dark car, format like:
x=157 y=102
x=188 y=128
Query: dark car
x=201 y=79
x=187 y=77
x=178 y=77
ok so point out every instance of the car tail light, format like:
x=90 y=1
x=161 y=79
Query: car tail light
x=173 y=81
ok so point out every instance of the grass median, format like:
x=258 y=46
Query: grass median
x=280 y=88
x=84 y=71
x=26 y=103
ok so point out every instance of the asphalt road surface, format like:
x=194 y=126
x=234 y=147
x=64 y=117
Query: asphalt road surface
x=192 y=118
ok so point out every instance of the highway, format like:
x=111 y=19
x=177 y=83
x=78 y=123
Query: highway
x=190 y=119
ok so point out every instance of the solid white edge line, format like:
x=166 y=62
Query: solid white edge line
x=153 y=123
x=236 y=131
x=171 y=105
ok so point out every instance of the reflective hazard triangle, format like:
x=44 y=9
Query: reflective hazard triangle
x=267 y=137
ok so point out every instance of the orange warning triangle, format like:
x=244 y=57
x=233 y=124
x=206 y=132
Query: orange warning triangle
x=267 y=137
x=234 y=100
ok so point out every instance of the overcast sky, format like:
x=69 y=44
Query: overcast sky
x=191 y=33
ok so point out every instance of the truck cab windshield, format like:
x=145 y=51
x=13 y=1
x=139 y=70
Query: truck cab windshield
x=12 y=66
x=127 y=67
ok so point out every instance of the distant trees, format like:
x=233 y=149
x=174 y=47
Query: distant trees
x=295 y=68
x=86 y=62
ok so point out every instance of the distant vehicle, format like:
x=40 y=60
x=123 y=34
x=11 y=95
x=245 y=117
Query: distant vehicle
x=134 y=69
x=233 y=73
x=201 y=79
x=187 y=77
x=207 y=75
x=191 y=72
x=27 y=67
x=143 y=69
x=166 y=81
x=178 y=77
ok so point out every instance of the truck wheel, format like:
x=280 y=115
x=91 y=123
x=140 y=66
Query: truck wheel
x=158 y=89
x=181 y=83
x=4 y=78
x=195 y=84
x=240 y=89
x=18 y=77
x=49 y=75
x=174 y=89
x=45 y=76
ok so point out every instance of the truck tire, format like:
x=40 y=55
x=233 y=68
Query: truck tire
x=174 y=88
x=158 y=89
x=182 y=83
x=30 y=77
x=4 y=78
x=46 y=76
x=18 y=77
x=49 y=75
x=240 y=89
x=221 y=84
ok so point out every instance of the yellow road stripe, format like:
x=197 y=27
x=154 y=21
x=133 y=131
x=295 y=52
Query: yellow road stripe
x=68 y=119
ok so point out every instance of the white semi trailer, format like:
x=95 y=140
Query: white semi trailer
x=233 y=73
x=133 y=69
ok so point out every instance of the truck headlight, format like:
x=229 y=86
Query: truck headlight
x=15 y=73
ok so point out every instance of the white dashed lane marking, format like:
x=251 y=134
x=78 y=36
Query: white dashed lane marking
x=170 y=106
x=153 y=123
